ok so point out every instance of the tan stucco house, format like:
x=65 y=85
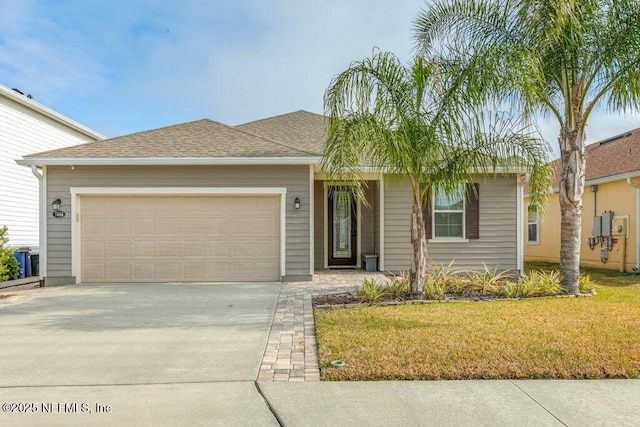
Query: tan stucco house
x=203 y=201
x=610 y=212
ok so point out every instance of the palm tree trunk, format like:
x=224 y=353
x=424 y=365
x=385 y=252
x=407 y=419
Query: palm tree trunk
x=572 y=161
x=419 y=254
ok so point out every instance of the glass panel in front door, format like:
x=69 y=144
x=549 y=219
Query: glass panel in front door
x=342 y=225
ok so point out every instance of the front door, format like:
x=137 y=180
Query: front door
x=342 y=228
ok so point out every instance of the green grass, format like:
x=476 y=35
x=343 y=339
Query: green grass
x=587 y=337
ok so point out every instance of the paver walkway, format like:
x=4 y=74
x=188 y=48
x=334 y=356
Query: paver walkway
x=291 y=353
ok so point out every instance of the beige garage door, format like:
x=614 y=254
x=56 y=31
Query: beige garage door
x=179 y=239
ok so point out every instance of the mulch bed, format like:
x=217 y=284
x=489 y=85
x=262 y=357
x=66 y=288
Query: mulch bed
x=349 y=299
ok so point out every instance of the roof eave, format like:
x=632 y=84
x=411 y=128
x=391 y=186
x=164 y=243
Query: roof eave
x=598 y=181
x=48 y=112
x=152 y=161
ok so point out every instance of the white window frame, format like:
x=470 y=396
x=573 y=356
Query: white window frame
x=464 y=218
x=536 y=223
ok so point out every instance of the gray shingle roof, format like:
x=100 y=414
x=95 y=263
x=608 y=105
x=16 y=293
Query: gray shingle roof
x=273 y=138
x=301 y=129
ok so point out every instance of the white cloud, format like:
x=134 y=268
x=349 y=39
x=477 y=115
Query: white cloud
x=121 y=67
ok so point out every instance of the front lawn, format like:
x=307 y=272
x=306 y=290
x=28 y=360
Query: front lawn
x=587 y=337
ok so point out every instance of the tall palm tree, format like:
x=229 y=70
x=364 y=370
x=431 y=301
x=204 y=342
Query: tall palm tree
x=416 y=122
x=560 y=58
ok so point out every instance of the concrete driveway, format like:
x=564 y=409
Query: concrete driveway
x=151 y=353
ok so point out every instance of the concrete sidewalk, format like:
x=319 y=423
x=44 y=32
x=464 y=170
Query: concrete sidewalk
x=456 y=403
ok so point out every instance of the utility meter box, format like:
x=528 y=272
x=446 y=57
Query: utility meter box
x=607 y=217
x=597 y=226
x=619 y=227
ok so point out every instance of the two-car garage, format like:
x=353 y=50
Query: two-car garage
x=178 y=237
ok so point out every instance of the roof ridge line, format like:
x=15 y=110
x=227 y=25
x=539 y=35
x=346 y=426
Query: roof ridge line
x=274 y=142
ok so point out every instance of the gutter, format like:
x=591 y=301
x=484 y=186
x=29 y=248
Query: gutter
x=164 y=161
x=637 y=187
x=42 y=229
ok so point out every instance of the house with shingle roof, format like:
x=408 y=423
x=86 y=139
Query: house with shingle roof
x=204 y=201
x=611 y=200
x=26 y=126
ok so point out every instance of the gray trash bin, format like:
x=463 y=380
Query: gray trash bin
x=370 y=262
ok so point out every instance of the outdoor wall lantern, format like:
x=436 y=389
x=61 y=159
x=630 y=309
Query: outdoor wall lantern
x=57 y=203
x=296 y=203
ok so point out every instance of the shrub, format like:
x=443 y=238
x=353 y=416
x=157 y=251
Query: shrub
x=370 y=291
x=442 y=279
x=9 y=267
x=488 y=280
x=397 y=286
x=538 y=284
x=585 y=284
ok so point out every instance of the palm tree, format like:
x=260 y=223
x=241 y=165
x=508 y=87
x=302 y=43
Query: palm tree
x=415 y=122
x=557 y=58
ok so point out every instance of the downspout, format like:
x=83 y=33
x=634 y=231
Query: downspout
x=637 y=225
x=42 y=230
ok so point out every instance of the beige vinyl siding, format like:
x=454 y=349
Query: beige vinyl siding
x=367 y=220
x=497 y=245
x=397 y=215
x=318 y=226
x=294 y=178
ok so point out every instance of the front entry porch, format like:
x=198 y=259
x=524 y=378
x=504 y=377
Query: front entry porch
x=347 y=227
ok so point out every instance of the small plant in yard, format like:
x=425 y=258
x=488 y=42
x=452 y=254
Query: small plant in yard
x=585 y=284
x=9 y=268
x=538 y=284
x=370 y=291
x=397 y=286
x=488 y=280
x=440 y=279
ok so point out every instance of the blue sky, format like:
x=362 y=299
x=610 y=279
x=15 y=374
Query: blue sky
x=124 y=66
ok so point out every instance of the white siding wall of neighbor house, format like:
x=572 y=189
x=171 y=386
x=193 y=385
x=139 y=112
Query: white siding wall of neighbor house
x=25 y=131
x=294 y=178
x=497 y=245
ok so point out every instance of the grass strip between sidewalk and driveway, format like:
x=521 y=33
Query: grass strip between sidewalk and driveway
x=593 y=337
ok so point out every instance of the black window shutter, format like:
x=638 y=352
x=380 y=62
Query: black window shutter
x=472 y=209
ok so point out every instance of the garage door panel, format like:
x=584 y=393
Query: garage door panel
x=94 y=249
x=118 y=248
x=118 y=226
x=194 y=248
x=180 y=238
x=93 y=228
x=94 y=272
x=217 y=226
x=169 y=271
x=118 y=271
x=242 y=249
x=266 y=249
x=168 y=226
x=169 y=249
x=193 y=226
x=144 y=249
x=143 y=227
x=143 y=272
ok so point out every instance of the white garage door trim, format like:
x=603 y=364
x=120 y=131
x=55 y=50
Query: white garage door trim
x=76 y=192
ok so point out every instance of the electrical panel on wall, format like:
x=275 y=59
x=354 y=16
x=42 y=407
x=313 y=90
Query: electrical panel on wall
x=607 y=217
x=597 y=226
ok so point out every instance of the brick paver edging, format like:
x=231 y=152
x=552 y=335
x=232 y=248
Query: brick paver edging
x=291 y=352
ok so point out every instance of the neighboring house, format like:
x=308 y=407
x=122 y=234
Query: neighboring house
x=203 y=201
x=27 y=127
x=611 y=200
